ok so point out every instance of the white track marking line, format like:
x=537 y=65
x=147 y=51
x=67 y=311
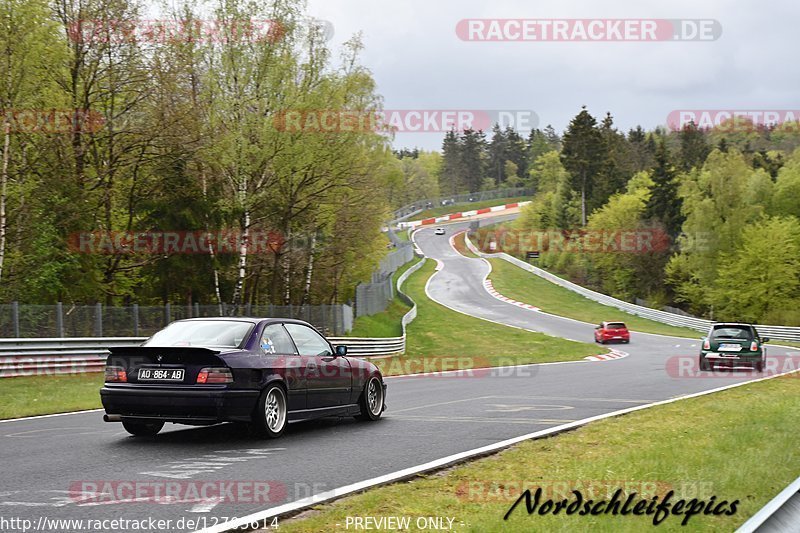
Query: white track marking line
x=49 y=416
x=443 y=462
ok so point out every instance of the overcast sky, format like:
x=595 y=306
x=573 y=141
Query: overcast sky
x=419 y=62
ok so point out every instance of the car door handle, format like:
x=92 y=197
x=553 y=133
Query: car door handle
x=311 y=367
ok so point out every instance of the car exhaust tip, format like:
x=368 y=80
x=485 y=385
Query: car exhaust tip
x=112 y=418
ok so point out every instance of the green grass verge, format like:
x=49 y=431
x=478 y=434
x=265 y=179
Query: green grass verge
x=735 y=445
x=43 y=395
x=386 y=323
x=447 y=209
x=513 y=282
x=461 y=246
x=441 y=334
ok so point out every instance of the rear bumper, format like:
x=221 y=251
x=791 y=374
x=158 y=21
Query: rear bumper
x=616 y=338
x=733 y=359
x=173 y=404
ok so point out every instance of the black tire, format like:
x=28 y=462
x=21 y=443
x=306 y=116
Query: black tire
x=372 y=400
x=759 y=367
x=272 y=413
x=142 y=429
x=705 y=366
x=601 y=341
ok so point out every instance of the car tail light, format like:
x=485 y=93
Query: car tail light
x=116 y=374
x=214 y=375
x=706 y=344
x=754 y=346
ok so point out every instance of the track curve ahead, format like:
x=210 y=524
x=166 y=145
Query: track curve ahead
x=51 y=463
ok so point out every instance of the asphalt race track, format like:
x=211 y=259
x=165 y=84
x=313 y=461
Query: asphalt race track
x=50 y=464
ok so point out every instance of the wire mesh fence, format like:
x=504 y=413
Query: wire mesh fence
x=24 y=321
x=374 y=297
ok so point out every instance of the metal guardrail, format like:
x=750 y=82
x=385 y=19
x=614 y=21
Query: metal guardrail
x=412 y=313
x=29 y=357
x=421 y=205
x=780 y=515
x=785 y=333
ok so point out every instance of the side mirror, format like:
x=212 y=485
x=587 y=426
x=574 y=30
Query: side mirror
x=764 y=339
x=341 y=350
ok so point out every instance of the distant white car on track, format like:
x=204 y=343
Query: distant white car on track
x=439 y=231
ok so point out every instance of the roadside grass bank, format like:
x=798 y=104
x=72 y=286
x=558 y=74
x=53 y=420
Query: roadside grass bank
x=439 y=333
x=386 y=323
x=447 y=209
x=731 y=445
x=515 y=283
x=461 y=246
x=44 y=395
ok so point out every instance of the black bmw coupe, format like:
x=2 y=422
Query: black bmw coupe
x=266 y=372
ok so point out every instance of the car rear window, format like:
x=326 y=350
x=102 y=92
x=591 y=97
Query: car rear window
x=211 y=333
x=616 y=325
x=732 y=332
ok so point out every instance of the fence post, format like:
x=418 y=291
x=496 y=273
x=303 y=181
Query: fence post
x=248 y=309
x=59 y=320
x=197 y=309
x=135 y=320
x=98 y=319
x=167 y=314
x=15 y=319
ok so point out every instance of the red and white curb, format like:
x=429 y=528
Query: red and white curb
x=462 y=214
x=615 y=354
x=487 y=283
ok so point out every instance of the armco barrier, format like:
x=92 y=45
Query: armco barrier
x=784 y=333
x=412 y=313
x=27 y=357
x=462 y=214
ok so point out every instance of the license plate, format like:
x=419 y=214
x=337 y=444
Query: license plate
x=730 y=348
x=161 y=374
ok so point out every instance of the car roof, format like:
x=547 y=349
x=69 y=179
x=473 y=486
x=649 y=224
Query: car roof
x=614 y=322
x=726 y=324
x=248 y=319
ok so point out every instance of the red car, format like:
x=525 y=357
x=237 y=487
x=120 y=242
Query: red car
x=612 y=331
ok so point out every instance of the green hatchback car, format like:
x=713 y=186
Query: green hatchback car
x=732 y=344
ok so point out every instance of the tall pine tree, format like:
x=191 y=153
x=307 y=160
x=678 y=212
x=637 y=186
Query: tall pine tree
x=584 y=155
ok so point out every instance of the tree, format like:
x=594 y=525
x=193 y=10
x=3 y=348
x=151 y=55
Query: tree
x=451 y=176
x=547 y=172
x=516 y=151
x=786 y=201
x=497 y=151
x=537 y=145
x=759 y=280
x=717 y=204
x=693 y=147
x=642 y=156
x=664 y=204
x=473 y=159
x=584 y=155
x=25 y=30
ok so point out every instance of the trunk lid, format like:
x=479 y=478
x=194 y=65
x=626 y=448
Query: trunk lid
x=157 y=365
